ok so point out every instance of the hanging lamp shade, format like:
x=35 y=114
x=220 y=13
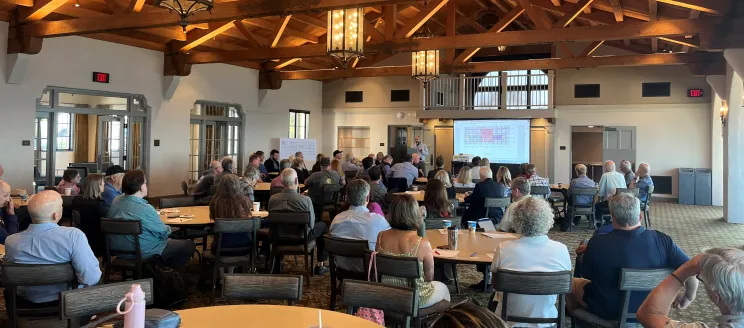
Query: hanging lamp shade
x=424 y=63
x=185 y=8
x=345 y=33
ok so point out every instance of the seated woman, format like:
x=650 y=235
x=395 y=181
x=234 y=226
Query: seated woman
x=230 y=202
x=443 y=176
x=277 y=182
x=92 y=208
x=70 y=179
x=336 y=166
x=534 y=251
x=464 y=178
x=402 y=240
x=436 y=202
x=299 y=166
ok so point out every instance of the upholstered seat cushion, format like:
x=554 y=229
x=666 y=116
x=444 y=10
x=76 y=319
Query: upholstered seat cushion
x=208 y=255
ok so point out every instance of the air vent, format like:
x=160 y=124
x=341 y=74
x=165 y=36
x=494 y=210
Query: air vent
x=657 y=89
x=662 y=184
x=354 y=96
x=400 y=95
x=586 y=91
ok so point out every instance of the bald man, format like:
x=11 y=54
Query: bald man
x=8 y=219
x=203 y=189
x=1 y=171
x=46 y=242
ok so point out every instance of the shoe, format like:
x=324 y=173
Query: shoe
x=321 y=270
x=479 y=286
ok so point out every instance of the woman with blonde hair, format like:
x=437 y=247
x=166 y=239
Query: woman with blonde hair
x=469 y=315
x=485 y=162
x=336 y=166
x=92 y=208
x=444 y=177
x=503 y=176
x=465 y=178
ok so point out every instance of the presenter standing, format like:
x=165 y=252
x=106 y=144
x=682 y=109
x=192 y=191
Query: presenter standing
x=423 y=150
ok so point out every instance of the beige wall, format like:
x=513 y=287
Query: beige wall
x=376 y=92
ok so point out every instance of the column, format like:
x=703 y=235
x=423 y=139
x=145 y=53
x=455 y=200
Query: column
x=733 y=139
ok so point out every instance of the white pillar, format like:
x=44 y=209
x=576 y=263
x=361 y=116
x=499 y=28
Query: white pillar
x=733 y=139
x=716 y=151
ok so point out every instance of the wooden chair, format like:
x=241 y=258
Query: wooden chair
x=85 y=302
x=350 y=250
x=438 y=223
x=496 y=202
x=350 y=174
x=578 y=209
x=395 y=301
x=631 y=280
x=289 y=233
x=171 y=202
x=262 y=287
x=28 y=275
x=217 y=258
x=533 y=283
x=632 y=191
x=540 y=191
x=645 y=207
x=397 y=185
x=111 y=260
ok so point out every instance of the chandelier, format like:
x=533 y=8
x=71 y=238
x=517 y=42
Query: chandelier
x=345 y=33
x=424 y=63
x=185 y=8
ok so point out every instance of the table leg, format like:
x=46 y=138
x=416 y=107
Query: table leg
x=457 y=280
x=485 y=278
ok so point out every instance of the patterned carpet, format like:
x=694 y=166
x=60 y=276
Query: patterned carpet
x=693 y=228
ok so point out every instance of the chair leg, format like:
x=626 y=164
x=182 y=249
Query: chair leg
x=215 y=274
x=332 y=305
x=106 y=274
x=309 y=270
x=485 y=276
x=457 y=280
x=648 y=218
x=296 y=263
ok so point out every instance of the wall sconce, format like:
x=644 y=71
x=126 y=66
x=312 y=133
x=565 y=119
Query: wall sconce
x=724 y=113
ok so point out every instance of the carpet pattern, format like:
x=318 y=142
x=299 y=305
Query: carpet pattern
x=693 y=228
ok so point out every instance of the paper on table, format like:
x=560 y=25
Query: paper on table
x=178 y=220
x=499 y=235
x=444 y=231
x=445 y=253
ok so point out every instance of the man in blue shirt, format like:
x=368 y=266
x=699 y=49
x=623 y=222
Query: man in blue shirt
x=46 y=242
x=8 y=219
x=642 y=181
x=628 y=245
x=154 y=239
x=407 y=170
x=112 y=187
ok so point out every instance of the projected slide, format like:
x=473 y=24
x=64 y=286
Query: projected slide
x=501 y=141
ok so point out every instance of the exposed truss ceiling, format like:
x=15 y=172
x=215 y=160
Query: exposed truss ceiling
x=261 y=35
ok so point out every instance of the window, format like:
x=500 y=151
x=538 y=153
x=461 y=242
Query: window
x=299 y=122
x=64 y=135
x=586 y=91
x=657 y=89
x=215 y=131
x=354 y=96
x=525 y=89
x=400 y=95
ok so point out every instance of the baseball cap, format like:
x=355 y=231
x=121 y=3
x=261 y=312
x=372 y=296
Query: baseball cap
x=337 y=152
x=114 y=169
x=325 y=161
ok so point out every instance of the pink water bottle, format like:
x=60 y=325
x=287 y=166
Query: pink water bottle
x=134 y=307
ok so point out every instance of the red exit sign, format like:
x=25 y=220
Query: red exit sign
x=696 y=93
x=101 y=77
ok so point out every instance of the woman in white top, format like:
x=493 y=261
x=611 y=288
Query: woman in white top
x=464 y=178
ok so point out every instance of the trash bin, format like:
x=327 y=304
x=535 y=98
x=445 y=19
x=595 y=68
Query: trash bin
x=686 y=186
x=703 y=188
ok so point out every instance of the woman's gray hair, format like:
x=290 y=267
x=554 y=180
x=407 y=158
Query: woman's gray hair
x=722 y=272
x=251 y=173
x=532 y=217
x=625 y=209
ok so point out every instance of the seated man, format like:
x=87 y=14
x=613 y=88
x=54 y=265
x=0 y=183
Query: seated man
x=439 y=162
x=608 y=184
x=486 y=188
x=642 y=181
x=154 y=239
x=290 y=200
x=203 y=188
x=350 y=163
x=112 y=186
x=8 y=219
x=581 y=182
x=314 y=185
x=520 y=190
x=377 y=190
x=228 y=167
x=367 y=164
x=357 y=222
x=532 y=252
x=536 y=181
x=629 y=245
x=272 y=164
x=407 y=170
x=46 y=242
x=627 y=171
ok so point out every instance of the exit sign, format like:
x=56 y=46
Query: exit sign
x=696 y=93
x=101 y=77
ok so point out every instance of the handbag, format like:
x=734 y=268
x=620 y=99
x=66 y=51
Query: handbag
x=374 y=315
x=169 y=287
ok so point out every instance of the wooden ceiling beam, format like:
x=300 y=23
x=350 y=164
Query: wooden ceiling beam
x=571 y=13
x=41 y=9
x=113 y=6
x=451 y=28
x=22 y=3
x=134 y=42
x=310 y=20
x=653 y=9
x=627 y=30
x=694 y=14
x=266 y=24
x=617 y=9
x=496 y=28
x=715 y=7
x=542 y=21
x=248 y=35
x=544 y=64
x=222 y=11
x=197 y=37
x=591 y=48
x=389 y=14
x=278 y=31
x=597 y=16
x=556 y=3
x=685 y=42
x=372 y=32
x=421 y=18
x=282 y=64
x=135 y=6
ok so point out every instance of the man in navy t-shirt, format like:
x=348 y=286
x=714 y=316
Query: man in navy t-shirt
x=628 y=245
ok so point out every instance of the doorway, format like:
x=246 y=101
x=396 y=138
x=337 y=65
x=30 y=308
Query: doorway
x=586 y=148
x=444 y=145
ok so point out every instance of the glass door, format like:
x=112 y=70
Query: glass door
x=110 y=145
x=41 y=149
x=214 y=141
x=134 y=136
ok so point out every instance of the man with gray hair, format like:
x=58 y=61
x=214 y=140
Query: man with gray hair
x=537 y=181
x=608 y=184
x=357 y=222
x=290 y=200
x=627 y=170
x=721 y=270
x=46 y=242
x=202 y=191
x=520 y=190
x=486 y=188
x=629 y=245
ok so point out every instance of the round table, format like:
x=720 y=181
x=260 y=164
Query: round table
x=468 y=244
x=200 y=213
x=419 y=195
x=266 y=186
x=268 y=316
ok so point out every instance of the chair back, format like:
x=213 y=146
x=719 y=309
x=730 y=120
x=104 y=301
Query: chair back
x=539 y=191
x=67 y=201
x=352 y=249
x=350 y=174
x=75 y=219
x=648 y=197
x=113 y=227
x=275 y=190
x=239 y=225
x=638 y=280
x=397 y=185
x=262 y=287
x=25 y=275
x=438 y=223
x=533 y=283
x=497 y=202
x=396 y=266
x=461 y=190
x=331 y=194
x=632 y=191
x=185 y=188
x=176 y=202
x=388 y=298
x=78 y=303
x=455 y=202
x=289 y=228
x=582 y=209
